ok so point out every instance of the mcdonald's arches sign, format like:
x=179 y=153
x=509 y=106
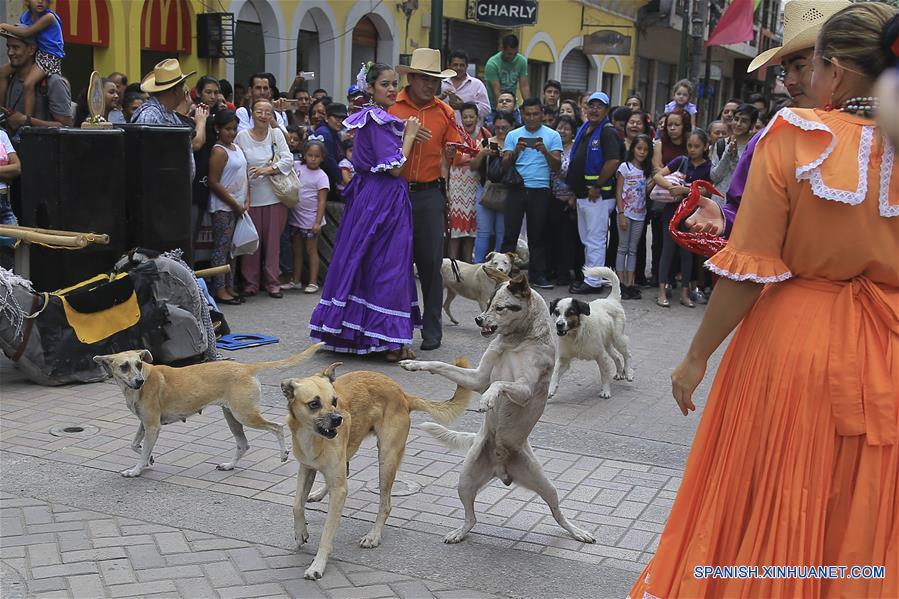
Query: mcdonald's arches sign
x=166 y=26
x=85 y=21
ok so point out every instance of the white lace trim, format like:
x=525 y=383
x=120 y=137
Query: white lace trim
x=395 y=126
x=722 y=272
x=812 y=171
x=356 y=327
x=384 y=167
x=370 y=306
x=886 y=172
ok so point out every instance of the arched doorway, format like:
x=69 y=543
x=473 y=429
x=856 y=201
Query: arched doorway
x=248 y=37
x=316 y=49
x=365 y=42
x=575 y=77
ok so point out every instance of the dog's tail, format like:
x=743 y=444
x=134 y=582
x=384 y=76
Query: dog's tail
x=452 y=439
x=598 y=272
x=292 y=360
x=444 y=411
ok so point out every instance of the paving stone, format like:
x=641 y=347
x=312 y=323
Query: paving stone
x=93 y=555
x=368 y=592
x=86 y=586
x=145 y=556
x=305 y=589
x=224 y=574
x=64 y=570
x=171 y=542
x=196 y=557
x=248 y=559
x=117 y=571
x=43 y=554
x=190 y=588
x=44 y=585
x=142 y=588
x=169 y=572
x=255 y=590
x=371 y=577
x=636 y=539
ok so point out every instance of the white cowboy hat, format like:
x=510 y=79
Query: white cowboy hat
x=425 y=61
x=165 y=75
x=803 y=20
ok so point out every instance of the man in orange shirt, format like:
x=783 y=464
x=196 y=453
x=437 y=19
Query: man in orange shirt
x=425 y=170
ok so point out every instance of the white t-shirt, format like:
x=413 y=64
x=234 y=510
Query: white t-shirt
x=633 y=192
x=259 y=153
x=6 y=149
x=245 y=121
x=233 y=179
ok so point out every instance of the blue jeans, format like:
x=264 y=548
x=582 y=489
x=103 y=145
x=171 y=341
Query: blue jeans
x=7 y=217
x=490 y=223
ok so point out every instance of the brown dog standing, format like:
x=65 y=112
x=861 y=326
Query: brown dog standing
x=160 y=395
x=329 y=418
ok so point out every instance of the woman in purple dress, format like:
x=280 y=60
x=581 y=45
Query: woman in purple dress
x=369 y=300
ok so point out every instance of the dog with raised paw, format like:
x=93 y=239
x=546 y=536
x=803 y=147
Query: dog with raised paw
x=329 y=418
x=594 y=332
x=513 y=378
x=475 y=281
x=160 y=395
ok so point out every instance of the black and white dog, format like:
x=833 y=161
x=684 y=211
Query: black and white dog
x=593 y=331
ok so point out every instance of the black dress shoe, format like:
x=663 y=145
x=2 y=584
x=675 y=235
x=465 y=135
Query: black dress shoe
x=583 y=288
x=231 y=301
x=430 y=344
x=626 y=293
x=563 y=281
x=541 y=282
x=275 y=294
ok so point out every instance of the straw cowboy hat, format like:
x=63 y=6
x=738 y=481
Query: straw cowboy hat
x=802 y=21
x=166 y=74
x=425 y=61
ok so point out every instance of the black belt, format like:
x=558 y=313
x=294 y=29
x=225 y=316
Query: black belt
x=415 y=186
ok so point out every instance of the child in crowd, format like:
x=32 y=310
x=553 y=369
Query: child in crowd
x=41 y=23
x=347 y=171
x=228 y=199
x=630 y=199
x=296 y=135
x=695 y=165
x=307 y=217
x=683 y=92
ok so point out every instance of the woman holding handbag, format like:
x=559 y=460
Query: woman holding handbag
x=228 y=201
x=492 y=204
x=267 y=155
x=464 y=190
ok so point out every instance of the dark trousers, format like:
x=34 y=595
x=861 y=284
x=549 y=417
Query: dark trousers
x=428 y=231
x=670 y=249
x=612 y=248
x=640 y=278
x=658 y=236
x=535 y=204
x=565 y=253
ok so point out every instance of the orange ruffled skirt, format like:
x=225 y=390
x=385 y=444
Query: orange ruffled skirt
x=796 y=458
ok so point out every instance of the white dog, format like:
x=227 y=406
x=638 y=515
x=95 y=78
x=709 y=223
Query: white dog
x=593 y=331
x=475 y=281
x=513 y=377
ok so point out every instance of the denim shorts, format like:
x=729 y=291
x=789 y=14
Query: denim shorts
x=7 y=217
x=304 y=233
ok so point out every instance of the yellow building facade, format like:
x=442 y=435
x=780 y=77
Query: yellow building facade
x=332 y=38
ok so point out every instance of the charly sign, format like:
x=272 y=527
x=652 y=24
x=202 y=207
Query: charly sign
x=506 y=13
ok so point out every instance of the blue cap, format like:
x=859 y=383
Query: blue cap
x=353 y=91
x=601 y=96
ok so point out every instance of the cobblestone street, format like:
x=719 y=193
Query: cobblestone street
x=73 y=527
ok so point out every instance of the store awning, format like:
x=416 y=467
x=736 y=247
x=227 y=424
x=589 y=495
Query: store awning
x=85 y=21
x=166 y=26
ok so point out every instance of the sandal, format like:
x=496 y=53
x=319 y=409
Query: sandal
x=687 y=303
x=663 y=303
x=311 y=288
x=231 y=301
x=404 y=353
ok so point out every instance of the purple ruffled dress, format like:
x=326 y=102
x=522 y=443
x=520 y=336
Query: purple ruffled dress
x=369 y=301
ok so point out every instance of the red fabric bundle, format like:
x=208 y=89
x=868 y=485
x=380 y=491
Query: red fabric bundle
x=704 y=244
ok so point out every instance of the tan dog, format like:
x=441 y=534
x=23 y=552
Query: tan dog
x=329 y=418
x=160 y=395
x=475 y=281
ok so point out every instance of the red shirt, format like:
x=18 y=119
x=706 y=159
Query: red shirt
x=423 y=163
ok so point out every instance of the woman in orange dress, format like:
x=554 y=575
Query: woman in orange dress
x=796 y=459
